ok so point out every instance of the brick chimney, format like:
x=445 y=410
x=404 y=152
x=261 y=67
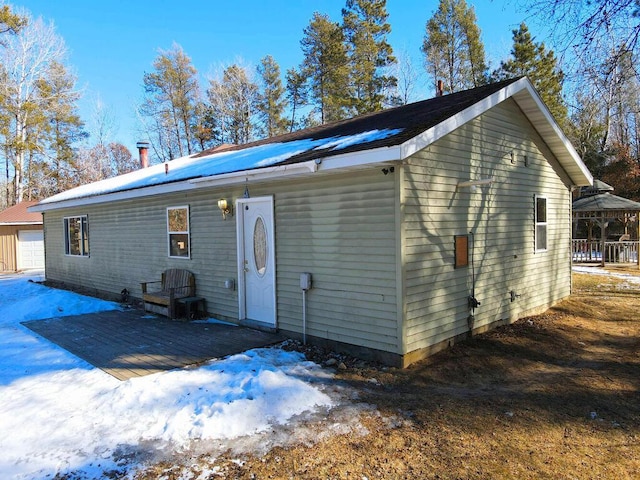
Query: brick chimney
x=143 y=152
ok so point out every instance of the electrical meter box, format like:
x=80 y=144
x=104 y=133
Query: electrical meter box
x=305 y=281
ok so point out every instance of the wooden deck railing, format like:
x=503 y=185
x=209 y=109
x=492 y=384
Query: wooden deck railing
x=590 y=251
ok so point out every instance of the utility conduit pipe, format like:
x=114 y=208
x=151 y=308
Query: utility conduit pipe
x=305 y=284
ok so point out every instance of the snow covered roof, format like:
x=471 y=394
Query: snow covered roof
x=390 y=135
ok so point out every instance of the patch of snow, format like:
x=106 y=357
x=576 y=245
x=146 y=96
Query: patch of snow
x=214 y=320
x=628 y=277
x=61 y=416
x=364 y=137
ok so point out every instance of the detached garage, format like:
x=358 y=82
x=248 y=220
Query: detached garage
x=21 y=239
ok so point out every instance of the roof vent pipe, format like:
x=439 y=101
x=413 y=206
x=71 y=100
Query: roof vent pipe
x=440 y=88
x=143 y=152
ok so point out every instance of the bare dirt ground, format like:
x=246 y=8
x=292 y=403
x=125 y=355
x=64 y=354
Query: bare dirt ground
x=553 y=396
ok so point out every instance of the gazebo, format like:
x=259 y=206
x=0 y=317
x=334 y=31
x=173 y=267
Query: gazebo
x=597 y=206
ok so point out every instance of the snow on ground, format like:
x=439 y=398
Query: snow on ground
x=627 y=277
x=58 y=414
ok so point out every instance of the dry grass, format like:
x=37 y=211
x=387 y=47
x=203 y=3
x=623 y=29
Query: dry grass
x=553 y=396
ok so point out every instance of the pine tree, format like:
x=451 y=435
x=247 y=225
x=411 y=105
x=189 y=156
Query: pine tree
x=452 y=47
x=370 y=55
x=540 y=65
x=64 y=127
x=271 y=102
x=10 y=22
x=172 y=93
x=326 y=66
x=206 y=130
x=297 y=94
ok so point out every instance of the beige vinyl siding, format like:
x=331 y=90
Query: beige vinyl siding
x=341 y=229
x=8 y=239
x=128 y=245
x=501 y=218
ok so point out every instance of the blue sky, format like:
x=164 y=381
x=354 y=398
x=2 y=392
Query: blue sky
x=112 y=43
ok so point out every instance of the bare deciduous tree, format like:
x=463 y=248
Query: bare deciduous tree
x=233 y=99
x=408 y=79
x=26 y=61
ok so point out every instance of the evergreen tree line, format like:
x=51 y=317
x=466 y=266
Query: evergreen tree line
x=346 y=71
x=348 y=68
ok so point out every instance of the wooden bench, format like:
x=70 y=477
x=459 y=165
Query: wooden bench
x=174 y=284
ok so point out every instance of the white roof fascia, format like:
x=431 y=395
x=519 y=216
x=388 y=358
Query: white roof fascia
x=267 y=173
x=359 y=159
x=115 y=196
x=541 y=119
x=181 y=186
x=444 y=128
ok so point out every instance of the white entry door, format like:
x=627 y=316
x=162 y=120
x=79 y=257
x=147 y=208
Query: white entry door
x=256 y=260
x=30 y=249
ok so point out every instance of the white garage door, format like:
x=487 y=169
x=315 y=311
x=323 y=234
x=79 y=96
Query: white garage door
x=30 y=249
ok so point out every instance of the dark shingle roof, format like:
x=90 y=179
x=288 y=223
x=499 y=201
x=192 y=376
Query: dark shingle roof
x=390 y=135
x=598 y=187
x=412 y=120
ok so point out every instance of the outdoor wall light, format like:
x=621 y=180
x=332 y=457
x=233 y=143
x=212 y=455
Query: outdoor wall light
x=225 y=208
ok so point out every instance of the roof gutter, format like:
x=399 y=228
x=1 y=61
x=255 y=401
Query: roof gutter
x=267 y=173
x=232 y=178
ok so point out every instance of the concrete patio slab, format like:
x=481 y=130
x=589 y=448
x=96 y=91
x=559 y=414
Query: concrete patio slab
x=128 y=344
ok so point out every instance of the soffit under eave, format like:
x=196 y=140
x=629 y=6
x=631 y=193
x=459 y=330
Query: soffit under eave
x=558 y=143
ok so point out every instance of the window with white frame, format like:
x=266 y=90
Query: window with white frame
x=541 y=223
x=178 y=231
x=76 y=236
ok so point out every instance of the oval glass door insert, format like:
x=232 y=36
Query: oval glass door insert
x=260 y=246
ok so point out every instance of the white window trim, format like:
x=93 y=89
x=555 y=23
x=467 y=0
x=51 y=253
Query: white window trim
x=536 y=223
x=187 y=232
x=67 y=240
